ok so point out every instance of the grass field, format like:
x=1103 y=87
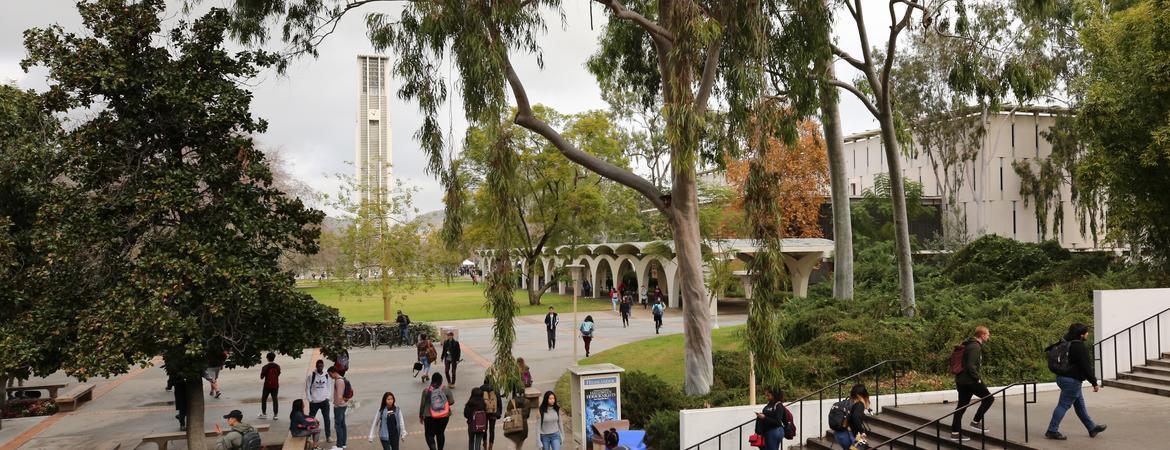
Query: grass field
x=456 y=301
x=663 y=355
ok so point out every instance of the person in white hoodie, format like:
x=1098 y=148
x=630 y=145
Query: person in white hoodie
x=388 y=425
x=319 y=392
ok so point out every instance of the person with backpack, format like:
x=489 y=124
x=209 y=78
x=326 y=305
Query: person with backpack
x=966 y=361
x=847 y=417
x=1069 y=360
x=626 y=305
x=434 y=411
x=300 y=425
x=426 y=355
x=613 y=298
x=549 y=425
x=550 y=327
x=770 y=422
x=319 y=392
x=239 y=436
x=388 y=425
x=477 y=422
x=342 y=393
x=452 y=354
x=270 y=374
x=525 y=373
x=658 y=309
x=403 y=321
x=587 y=333
x=493 y=405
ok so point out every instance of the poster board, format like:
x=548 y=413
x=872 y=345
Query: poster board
x=596 y=398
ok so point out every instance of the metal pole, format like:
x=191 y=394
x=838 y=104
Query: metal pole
x=575 y=325
x=751 y=379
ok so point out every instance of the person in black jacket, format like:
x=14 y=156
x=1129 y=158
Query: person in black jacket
x=1080 y=369
x=550 y=327
x=970 y=384
x=770 y=421
x=452 y=354
x=859 y=403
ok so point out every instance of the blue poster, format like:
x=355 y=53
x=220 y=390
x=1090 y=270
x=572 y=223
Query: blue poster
x=600 y=406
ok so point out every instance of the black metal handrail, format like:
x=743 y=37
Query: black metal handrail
x=893 y=364
x=1098 y=359
x=982 y=431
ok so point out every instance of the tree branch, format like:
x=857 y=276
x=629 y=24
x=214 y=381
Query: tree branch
x=525 y=118
x=708 y=82
x=621 y=12
x=841 y=53
x=891 y=46
x=857 y=92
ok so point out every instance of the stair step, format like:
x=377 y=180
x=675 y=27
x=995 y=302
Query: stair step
x=1149 y=378
x=1165 y=355
x=820 y=444
x=1156 y=370
x=1158 y=363
x=881 y=430
x=907 y=421
x=1138 y=386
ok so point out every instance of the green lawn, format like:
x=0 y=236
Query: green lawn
x=663 y=355
x=456 y=301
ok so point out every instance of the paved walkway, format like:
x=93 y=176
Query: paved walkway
x=134 y=405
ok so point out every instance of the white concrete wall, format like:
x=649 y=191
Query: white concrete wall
x=696 y=425
x=1117 y=310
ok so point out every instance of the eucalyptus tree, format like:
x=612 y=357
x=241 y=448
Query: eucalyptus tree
x=695 y=53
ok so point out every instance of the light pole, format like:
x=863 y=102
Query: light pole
x=575 y=271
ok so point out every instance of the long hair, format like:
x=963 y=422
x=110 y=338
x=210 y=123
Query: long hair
x=297 y=406
x=521 y=364
x=860 y=393
x=476 y=400
x=588 y=318
x=382 y=406
x=436 y=380
x=544 y=405
x=777 y=394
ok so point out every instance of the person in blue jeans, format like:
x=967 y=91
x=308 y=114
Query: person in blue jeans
x=770 y=422
x=549 y=426
x=1080 y=369
x=859 y=403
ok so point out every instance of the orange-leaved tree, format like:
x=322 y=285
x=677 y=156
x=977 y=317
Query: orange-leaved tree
x=803 y=170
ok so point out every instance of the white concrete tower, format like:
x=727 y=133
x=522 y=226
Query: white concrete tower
x=373 y=146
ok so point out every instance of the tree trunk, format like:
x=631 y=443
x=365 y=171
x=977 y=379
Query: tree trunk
x=839 y=187
x=3 y=397
x=696 y=313
x=534 y=294
x=901 y=224
x=387 y=300
x=195 y=437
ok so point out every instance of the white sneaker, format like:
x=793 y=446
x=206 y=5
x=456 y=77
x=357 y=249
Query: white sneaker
x=261 y=416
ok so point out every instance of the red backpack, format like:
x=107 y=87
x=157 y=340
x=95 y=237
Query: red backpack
x=479 y=422
x=956 y=363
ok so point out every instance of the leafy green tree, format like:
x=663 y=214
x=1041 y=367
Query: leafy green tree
x=871 y=215
x=176 y=226
x=557 y=202
x=1125 y=120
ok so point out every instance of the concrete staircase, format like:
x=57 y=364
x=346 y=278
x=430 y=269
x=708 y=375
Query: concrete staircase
x=893 y=422
x=1152 y=378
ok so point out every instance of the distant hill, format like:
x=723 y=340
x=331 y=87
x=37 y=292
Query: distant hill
x=432 y=220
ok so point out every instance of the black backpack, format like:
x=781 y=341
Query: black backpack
x=250 y=440
x=1058 y=357
x=839 y=415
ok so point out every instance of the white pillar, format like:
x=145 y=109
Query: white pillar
x=800 y=267
x=523 y=274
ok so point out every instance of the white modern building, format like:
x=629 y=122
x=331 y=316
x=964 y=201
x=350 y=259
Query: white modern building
x=978 y=188
x=373 y=154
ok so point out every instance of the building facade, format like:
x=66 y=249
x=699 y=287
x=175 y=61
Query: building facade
x=976 y=183
x=373 y=155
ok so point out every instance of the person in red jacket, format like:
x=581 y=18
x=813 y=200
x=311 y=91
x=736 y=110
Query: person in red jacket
x=270 y=373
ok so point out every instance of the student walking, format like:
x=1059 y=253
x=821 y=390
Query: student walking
x=388 y=425
x=627 y=304
x=658 y=310
x=587 y=333
x=270 y=373
x=426 y=355
x=550 y=327
x=549 y=425
x=403 y=322
x=342 y=393
x=613 y=298
x=452 y=354
x=493 y=405
x=475 y=412
x=771 y=421
x=970 y=384
x=215 y=364
x=300 y=425
x=434 y=411
x=319 y=391
x=179 y=388
x=1069 y=359
x=525 y=374
x=642 y=296
x=854 y=417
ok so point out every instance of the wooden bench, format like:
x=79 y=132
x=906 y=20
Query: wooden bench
x=163 y=440
x=109 y=446
x=51 y=388
x=297 y=443
x=74 y=398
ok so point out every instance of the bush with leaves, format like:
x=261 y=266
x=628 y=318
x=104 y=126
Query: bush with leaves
x=644 y=394
x=662 y=431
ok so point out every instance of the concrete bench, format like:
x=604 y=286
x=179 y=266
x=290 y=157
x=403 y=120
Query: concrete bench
x=532 y=395
x=109 y=446
x=163 y=440
x=74 y=398
x=297 y=443
x=51 y=388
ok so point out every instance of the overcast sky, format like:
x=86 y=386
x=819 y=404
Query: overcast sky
x=311 y=110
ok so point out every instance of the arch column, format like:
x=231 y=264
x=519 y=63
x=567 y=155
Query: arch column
x=800 y=267
x=524 y=274
x=671 y=273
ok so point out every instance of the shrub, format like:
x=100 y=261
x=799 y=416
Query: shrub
x=644 y=394
x=997 y=259
x=731 y=368
x=662 y=431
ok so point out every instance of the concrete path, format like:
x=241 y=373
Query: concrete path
x=134 y=405
x=1135 y=420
